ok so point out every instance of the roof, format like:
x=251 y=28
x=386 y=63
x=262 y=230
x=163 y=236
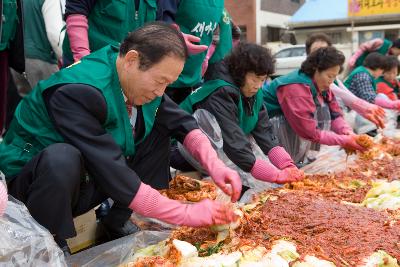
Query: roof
x=320 y=10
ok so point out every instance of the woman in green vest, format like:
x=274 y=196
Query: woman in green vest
x=387 y=83
x=369 y=111
x=232 y=95
x=101 y=129
x=362 y=81
x=381 y=46
x=294 y=101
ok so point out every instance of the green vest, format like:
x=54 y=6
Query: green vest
x=384 y=49
x=110 y=21
x=199 y=18
x=8 y=23
x=36 y=43
x=357 y=70
x=270 y=94
x=225 y=38
x=32 y=130
x=246 y=122
x=395 y=88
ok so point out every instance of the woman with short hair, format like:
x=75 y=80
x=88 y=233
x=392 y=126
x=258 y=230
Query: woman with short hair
x=294 y=100
x=232 y=94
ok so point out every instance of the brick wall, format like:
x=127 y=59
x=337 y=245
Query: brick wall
x=243 y=13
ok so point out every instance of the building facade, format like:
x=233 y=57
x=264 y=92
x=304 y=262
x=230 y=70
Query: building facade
x=346 y=25
x=262 y=21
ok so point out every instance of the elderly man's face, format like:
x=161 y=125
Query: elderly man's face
x=142 y=86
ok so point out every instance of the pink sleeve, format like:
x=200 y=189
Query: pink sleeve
x=298 y=107
x=340 y=126
x=77 y=30
x=387 y=103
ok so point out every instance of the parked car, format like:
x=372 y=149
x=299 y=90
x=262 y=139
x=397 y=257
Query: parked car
x=289 y=59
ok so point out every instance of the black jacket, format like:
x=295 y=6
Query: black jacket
x=78 y=112
x=223 y=104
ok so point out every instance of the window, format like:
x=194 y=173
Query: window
x=292 y=52
x=296 y=1
x=336 y=37
x=369 y=35
x=243 y=35
x=284 y=53
x=274 y=34
x=270 y=34
x=298 y=52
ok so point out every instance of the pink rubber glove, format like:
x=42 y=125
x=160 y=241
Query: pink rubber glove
x=387 y=103
x=371 y=112
x=3 y=198
x=371 y=45
x=77 y=29
x=193 y=49
x=280 y=158
x=340 y=126
x=210 y=52
x=265 y=171
x=200 y=148
x=345 y=141
x=150 y=203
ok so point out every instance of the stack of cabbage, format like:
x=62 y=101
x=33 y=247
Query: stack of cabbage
x=383 y=195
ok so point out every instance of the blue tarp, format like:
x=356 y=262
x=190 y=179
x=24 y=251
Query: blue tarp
x=315 y=10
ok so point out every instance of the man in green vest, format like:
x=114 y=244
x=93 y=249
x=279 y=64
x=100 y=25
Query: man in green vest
x=93 y=24
x=101 y=129
x=11 y=49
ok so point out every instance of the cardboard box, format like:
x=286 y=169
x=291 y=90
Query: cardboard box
x=85 y=226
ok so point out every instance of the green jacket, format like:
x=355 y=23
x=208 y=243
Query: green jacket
x=32 y=130
x=110 y=21
x=270 y=94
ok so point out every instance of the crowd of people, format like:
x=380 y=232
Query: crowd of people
x=111 y=99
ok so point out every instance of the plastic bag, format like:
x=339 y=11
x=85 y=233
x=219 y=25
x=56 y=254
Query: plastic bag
x=24 y=242
x=329 y=159
x=296 y=146
x=118 y=251
x=210 y=127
